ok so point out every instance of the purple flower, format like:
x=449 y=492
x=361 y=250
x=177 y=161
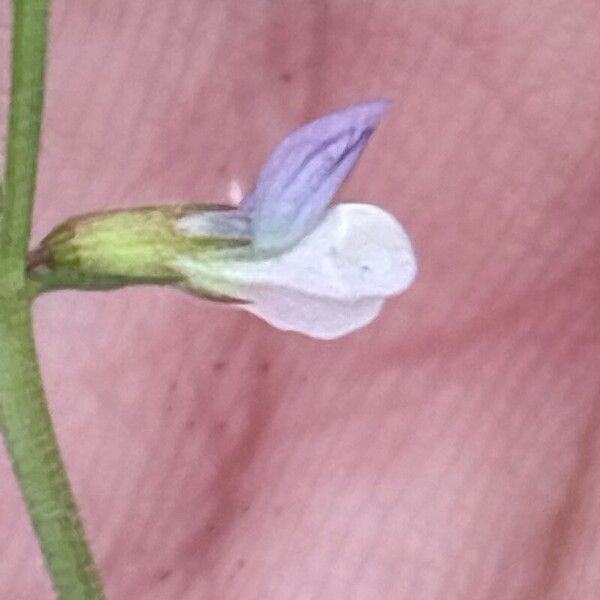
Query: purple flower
x=322 y=271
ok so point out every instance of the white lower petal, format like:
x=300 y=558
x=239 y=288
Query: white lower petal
x=317 y=316
x=332 y=282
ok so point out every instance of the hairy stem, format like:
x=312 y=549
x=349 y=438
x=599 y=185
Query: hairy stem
x=26 y=99
x=36 y=460
x=24 y=415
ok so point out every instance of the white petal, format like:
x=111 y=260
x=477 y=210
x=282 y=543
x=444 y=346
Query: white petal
x=332 y=282
x=317 y=316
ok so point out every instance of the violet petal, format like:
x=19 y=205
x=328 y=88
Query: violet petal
x=304 y=172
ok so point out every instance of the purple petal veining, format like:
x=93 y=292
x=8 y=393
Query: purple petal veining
x=304 y=172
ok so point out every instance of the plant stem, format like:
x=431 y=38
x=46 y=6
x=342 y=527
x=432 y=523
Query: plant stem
x=24 y=415
x=26 y=99
x=36 y=460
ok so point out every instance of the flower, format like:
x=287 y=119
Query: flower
x=321 y=271
x=281 y=254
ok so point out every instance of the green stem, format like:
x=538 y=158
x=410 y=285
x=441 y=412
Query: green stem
x=26 y=99
x=24 y=415
x=36 y=460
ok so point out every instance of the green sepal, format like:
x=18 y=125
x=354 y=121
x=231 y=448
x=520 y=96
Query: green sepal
x=110 y=249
